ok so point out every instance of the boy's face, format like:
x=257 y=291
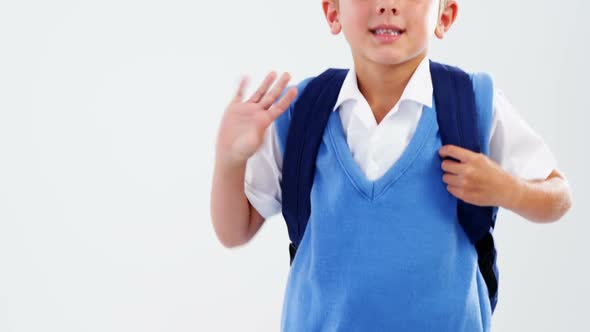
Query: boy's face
x=388 y=32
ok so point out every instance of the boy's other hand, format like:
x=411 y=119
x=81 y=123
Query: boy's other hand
x=474 y=178
x=243 y=124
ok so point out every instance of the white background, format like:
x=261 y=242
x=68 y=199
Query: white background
x=108 y=117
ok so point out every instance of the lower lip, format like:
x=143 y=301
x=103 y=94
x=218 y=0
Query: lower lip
x=385 y=38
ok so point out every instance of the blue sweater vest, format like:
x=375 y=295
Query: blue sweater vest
x=389 y=254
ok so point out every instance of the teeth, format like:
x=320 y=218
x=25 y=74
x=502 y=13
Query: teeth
x=387 y=32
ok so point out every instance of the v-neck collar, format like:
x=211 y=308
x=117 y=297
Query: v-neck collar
x=373 y=189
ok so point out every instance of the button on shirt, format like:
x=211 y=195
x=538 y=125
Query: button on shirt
x=376 y=147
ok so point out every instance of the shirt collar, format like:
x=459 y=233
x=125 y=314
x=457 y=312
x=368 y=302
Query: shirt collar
x=419 y=87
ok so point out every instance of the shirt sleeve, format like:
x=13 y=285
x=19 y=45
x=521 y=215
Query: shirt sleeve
x=262 y=183
x=515 y=146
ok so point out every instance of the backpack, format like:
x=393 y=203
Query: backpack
x=458 y=125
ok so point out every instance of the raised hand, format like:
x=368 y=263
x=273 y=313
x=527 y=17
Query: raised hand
x=242 y=127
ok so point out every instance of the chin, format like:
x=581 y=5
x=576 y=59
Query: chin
x=393 y=57
x=390 y=60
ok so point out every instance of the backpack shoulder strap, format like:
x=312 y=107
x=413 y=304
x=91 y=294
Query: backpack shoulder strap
x=283 y=122
x=457 y=105
x=308 y=120
x=458 y=125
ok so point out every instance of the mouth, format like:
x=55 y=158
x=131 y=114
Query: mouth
x=387 y=30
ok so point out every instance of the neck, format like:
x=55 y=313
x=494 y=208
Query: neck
x=383 y=85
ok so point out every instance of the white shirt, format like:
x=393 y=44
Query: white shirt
x=376 y=147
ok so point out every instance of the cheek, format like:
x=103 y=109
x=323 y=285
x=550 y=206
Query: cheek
x=424 y=15
x=423 y=24
x=353 y=25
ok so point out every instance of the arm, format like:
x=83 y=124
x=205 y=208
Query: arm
x=234 y=219
x=240 y=135
x=478 y=180
x=539 y=200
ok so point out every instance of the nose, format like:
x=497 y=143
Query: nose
x=387 y=6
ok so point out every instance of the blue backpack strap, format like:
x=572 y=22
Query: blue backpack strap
x=458 y=125
x=309 y=118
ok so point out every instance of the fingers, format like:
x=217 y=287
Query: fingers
x=275 y=92
x=241 y=88
x=455 y=152
x=452 y=167
x=277 y=109
x=261 y=91
x=266 y=99
x=456 y=191
x=452 y=180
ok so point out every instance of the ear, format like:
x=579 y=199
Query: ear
x=331 y=12
x=447 y=17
